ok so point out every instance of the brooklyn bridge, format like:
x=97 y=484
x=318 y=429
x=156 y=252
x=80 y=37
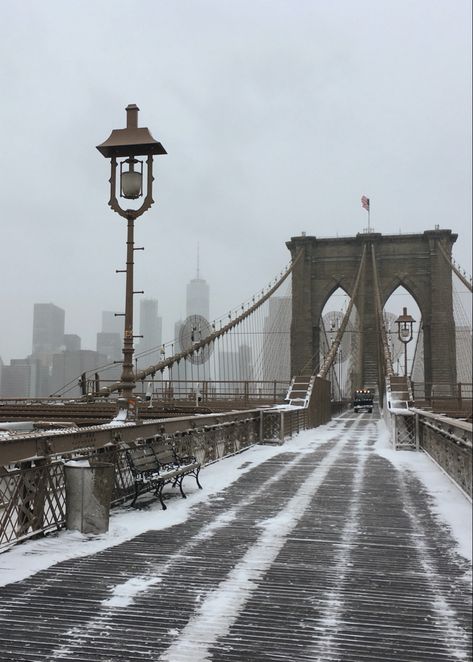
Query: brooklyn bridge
x=313 y=536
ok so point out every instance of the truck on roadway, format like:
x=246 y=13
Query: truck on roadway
x=363 y=400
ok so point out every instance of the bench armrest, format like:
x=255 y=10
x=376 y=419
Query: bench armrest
x=186 y=459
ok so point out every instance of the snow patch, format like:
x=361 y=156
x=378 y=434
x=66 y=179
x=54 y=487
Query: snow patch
x=448 y=502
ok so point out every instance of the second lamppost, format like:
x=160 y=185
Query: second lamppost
x=133 y=179
x=405 y=333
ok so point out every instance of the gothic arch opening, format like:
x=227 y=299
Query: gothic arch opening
x=331 y=319
x=399 y=301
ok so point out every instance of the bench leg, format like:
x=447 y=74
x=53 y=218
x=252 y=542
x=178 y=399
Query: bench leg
x=196 y=474
x=159 y=492
x=179 y=481
x=137 y=494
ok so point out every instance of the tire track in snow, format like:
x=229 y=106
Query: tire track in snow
x=330 y=622
x=222 y=606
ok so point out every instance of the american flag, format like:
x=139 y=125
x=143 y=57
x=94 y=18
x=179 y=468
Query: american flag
x=365 y=202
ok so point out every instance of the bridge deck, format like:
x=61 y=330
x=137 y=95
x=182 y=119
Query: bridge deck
x=323 y=551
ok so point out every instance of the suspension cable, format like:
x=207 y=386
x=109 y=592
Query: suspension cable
x=465 y=282
x=379 y=313
x=166 y=363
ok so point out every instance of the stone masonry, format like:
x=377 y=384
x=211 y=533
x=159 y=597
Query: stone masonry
x=413 y=261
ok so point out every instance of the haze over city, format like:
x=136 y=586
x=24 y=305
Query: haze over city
x=277 y=117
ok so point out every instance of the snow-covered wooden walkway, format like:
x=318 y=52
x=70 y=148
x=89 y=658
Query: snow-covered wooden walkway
x=324 y=551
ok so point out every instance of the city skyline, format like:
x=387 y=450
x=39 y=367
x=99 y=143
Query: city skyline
x=57 y=358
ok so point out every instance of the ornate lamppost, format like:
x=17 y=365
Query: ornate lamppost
x=128 y=175
x=405 y=333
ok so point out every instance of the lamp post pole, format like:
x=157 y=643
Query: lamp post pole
x=340 y=368
x=128 y=376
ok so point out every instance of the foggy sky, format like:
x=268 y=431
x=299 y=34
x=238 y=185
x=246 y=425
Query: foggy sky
x=277 y=115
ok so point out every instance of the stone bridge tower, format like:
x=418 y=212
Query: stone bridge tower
x=414 y=261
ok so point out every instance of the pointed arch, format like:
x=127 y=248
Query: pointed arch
x=411 y=287
x=392 y=308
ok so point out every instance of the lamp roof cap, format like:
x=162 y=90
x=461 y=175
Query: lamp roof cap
x=404 y=317
x=131 y=141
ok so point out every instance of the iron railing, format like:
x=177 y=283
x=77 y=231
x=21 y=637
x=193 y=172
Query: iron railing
x=446 y=440
x=454 y=399
x=32 y=482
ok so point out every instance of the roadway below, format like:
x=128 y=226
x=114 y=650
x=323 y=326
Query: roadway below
x=325 y=551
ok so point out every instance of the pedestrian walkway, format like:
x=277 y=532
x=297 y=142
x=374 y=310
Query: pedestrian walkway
x=324 y=552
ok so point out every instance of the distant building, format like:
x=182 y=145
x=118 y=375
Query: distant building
x=18 y=380
x=72 y=342
x=198 y=296
x=197 y=303
x=48 y=330
x=67 y=368
x=151 y=328
x=276 y=334
x=245 y=363
x=110 y=346
x=48 y=338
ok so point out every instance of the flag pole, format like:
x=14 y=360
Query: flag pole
x=365 y=203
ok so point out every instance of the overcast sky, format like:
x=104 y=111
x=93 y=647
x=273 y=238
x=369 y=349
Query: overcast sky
x=277 y=115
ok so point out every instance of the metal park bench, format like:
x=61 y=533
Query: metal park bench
x=153 y=468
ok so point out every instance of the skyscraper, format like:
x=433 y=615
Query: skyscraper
x=276 y=349
x=109 y=344
x=198 y=295
x=48 y=329
x=67 y=367
x=197 y=303
x=72 y=342
x=18 y=380
x=48 y=338
x=151 y=326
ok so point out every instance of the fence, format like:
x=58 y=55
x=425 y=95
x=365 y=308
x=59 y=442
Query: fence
x=447 y=441
x=167 y=391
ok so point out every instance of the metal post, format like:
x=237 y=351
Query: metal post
x=417 y=432
x=128 y=376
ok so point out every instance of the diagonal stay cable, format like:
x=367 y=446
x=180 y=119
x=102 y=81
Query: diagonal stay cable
x=379 y=314
x=465 y=282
